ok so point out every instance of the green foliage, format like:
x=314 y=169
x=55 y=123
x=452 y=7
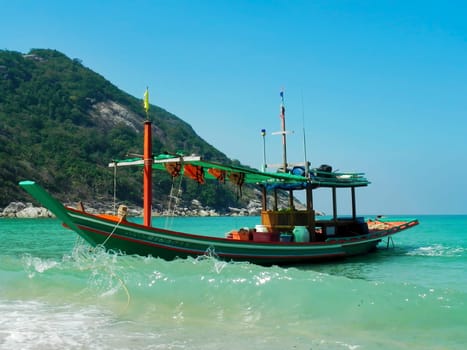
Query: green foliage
x=50 y=132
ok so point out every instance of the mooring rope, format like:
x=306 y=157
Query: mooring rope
x=79 y=254
x=111 y=233
x=128 y=296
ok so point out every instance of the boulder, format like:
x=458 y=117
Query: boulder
x=203 y=212
x=12 y=208
x=34 y=212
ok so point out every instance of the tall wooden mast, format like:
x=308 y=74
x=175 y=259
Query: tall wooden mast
x=148 y=161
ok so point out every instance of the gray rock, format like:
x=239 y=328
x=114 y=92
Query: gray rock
x=12 y=208
x=22 y=210
x=34 y=212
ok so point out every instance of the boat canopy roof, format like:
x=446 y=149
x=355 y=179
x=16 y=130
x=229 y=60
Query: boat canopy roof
x=201 y=170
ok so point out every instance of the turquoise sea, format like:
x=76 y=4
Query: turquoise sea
x=56 y=293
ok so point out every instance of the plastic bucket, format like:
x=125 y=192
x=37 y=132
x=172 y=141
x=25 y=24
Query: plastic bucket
x=286 y=237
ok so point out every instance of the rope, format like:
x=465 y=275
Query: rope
x=128 y=297
x=80 y=242
x=169 y=206
x=111 y=233
x=173 y=200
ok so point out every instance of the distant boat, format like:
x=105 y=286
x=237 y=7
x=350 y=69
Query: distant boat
x=282 y=236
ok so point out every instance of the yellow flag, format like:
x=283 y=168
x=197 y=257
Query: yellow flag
x=146 y=100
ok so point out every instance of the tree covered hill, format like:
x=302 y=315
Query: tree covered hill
x=61 y=124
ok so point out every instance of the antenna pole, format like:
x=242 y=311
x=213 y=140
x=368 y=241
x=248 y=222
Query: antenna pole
x=304 y=138
x=263 y=133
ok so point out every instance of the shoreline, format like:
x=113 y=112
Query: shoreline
x=26 y=210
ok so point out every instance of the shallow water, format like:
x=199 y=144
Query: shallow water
x=57 y=294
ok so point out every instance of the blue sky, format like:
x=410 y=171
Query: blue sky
x=378 y=86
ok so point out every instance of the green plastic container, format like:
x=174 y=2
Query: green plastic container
x=301 y=234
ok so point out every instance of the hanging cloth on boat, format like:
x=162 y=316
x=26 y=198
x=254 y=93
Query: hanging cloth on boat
x=173 y=168
x=237 y=179
x=218 y=174
x=194 y=172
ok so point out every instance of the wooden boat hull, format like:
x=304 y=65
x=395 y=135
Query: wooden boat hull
x=130 y=238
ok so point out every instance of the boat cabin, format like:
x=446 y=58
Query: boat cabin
x=286 y=220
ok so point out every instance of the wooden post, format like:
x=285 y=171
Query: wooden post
x=354 y=210
x=310 y=212
x=148 y=161
x=309 y=197
x=264 y=202
x=334 y=204
x=275 y=199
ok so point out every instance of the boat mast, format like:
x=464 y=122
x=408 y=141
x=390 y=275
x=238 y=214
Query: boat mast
x=148 y=161
x=284 y=137
x=284 y=133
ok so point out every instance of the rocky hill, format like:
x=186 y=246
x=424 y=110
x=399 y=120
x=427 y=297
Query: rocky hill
x=61 y=124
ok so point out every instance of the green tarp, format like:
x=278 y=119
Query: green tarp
x=201 y=170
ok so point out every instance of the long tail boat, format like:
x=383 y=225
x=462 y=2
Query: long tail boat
x=282 y=236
